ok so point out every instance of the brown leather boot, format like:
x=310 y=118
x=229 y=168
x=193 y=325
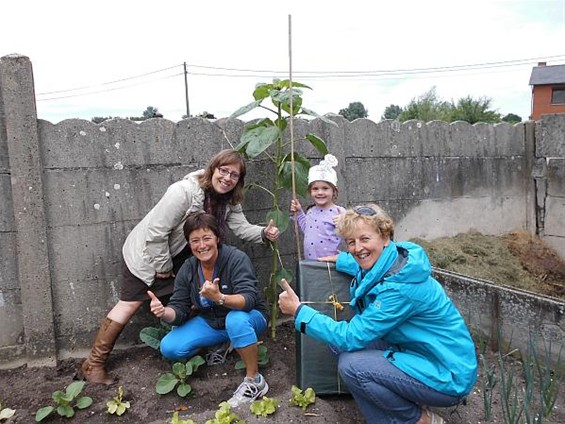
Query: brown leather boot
x=93 y=368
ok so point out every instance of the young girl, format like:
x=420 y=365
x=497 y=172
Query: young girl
x=318 y=223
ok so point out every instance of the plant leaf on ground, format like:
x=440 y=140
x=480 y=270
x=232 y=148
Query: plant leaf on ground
x=64 y=402
x=116 y=405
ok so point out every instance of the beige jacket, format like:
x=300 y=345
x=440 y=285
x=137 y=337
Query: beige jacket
x=158 y=237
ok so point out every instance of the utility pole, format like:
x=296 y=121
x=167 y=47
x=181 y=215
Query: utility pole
x=186 y=91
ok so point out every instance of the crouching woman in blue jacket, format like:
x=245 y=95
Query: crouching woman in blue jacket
x=407 y=346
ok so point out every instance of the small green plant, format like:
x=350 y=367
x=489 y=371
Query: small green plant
x=6 y=413
x=263 y=358
x=152 y=336
x=176 y=420
x=116 y=405
x=224 y=415
x=302 y=400
x=64 y=400
x=178 y=378
x=488 y=382
x=264 y=407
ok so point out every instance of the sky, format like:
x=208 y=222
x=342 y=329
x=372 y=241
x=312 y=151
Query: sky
x=117 y=57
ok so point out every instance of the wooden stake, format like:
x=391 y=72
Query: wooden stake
x=296 y=233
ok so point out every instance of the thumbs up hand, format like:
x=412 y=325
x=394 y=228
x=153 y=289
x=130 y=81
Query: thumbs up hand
x=156 y=306
x=288 y=300
x=271 y=231
x=211 y=289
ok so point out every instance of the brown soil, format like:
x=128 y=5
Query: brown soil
x=28 y=389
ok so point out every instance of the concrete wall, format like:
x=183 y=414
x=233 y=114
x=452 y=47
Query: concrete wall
x=72 y=191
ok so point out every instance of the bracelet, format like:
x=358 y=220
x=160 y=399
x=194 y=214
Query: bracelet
x=222 y=300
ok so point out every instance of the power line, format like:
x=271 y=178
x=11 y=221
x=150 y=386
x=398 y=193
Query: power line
x=108 y=83
x=304 y=75
x=107 y=90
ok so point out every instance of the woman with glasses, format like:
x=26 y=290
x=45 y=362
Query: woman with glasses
x=156 y=247
x=407 y=347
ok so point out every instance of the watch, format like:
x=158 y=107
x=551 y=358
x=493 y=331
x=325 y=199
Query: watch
x=222 y=300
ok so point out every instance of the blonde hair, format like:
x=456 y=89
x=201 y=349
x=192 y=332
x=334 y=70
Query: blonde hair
x=381 y=222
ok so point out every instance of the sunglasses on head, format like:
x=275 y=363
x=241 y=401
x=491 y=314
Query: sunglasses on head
x=364 y=211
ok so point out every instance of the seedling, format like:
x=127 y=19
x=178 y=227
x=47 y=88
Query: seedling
x=177 y=420
x=6 y=413
x=224 y=415
x=302 y=400
x=263 y=359
x=116 y=405
x=64 y=400
x=264 y=407
x=168 y=381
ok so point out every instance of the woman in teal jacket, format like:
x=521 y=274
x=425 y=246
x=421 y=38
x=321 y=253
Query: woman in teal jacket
x=407 y=346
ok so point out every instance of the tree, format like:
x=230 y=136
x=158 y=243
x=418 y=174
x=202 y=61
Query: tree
x=427 y=107
x=512 y=118
x=392 y=112
x=100 y=119
x=151 y=112
x=354 y=111
x=473 y=111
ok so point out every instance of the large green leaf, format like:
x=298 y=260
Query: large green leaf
x=152 y=336
x=166 y=383
x=262 y=91
x=301 y=167
x=244 y=109
x=280 y=218
x=323 y=118
x=319 y=144
x=258 y=140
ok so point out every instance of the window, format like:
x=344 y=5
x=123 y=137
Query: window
x=558 y=96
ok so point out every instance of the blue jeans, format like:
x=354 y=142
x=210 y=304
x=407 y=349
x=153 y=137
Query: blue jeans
x=242 y=329
x=384 y=393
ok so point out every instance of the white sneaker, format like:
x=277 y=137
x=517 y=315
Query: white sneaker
x=248 y=391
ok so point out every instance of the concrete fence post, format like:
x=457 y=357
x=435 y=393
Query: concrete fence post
x=20 y=117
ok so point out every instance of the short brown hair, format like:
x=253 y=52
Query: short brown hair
x=200 y=221
x=225 y=157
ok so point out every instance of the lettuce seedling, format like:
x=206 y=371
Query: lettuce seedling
x=176 y=420
x=224 y=415
x=302 y=400
x=64 y=400
x=264 y=407
x=178 y=378
x=116 y=405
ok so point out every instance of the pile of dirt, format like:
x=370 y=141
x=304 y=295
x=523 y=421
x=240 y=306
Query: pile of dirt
x=517 y=259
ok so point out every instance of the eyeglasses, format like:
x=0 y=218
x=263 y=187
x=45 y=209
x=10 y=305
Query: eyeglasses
x=224 y=172
x=364 y=211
